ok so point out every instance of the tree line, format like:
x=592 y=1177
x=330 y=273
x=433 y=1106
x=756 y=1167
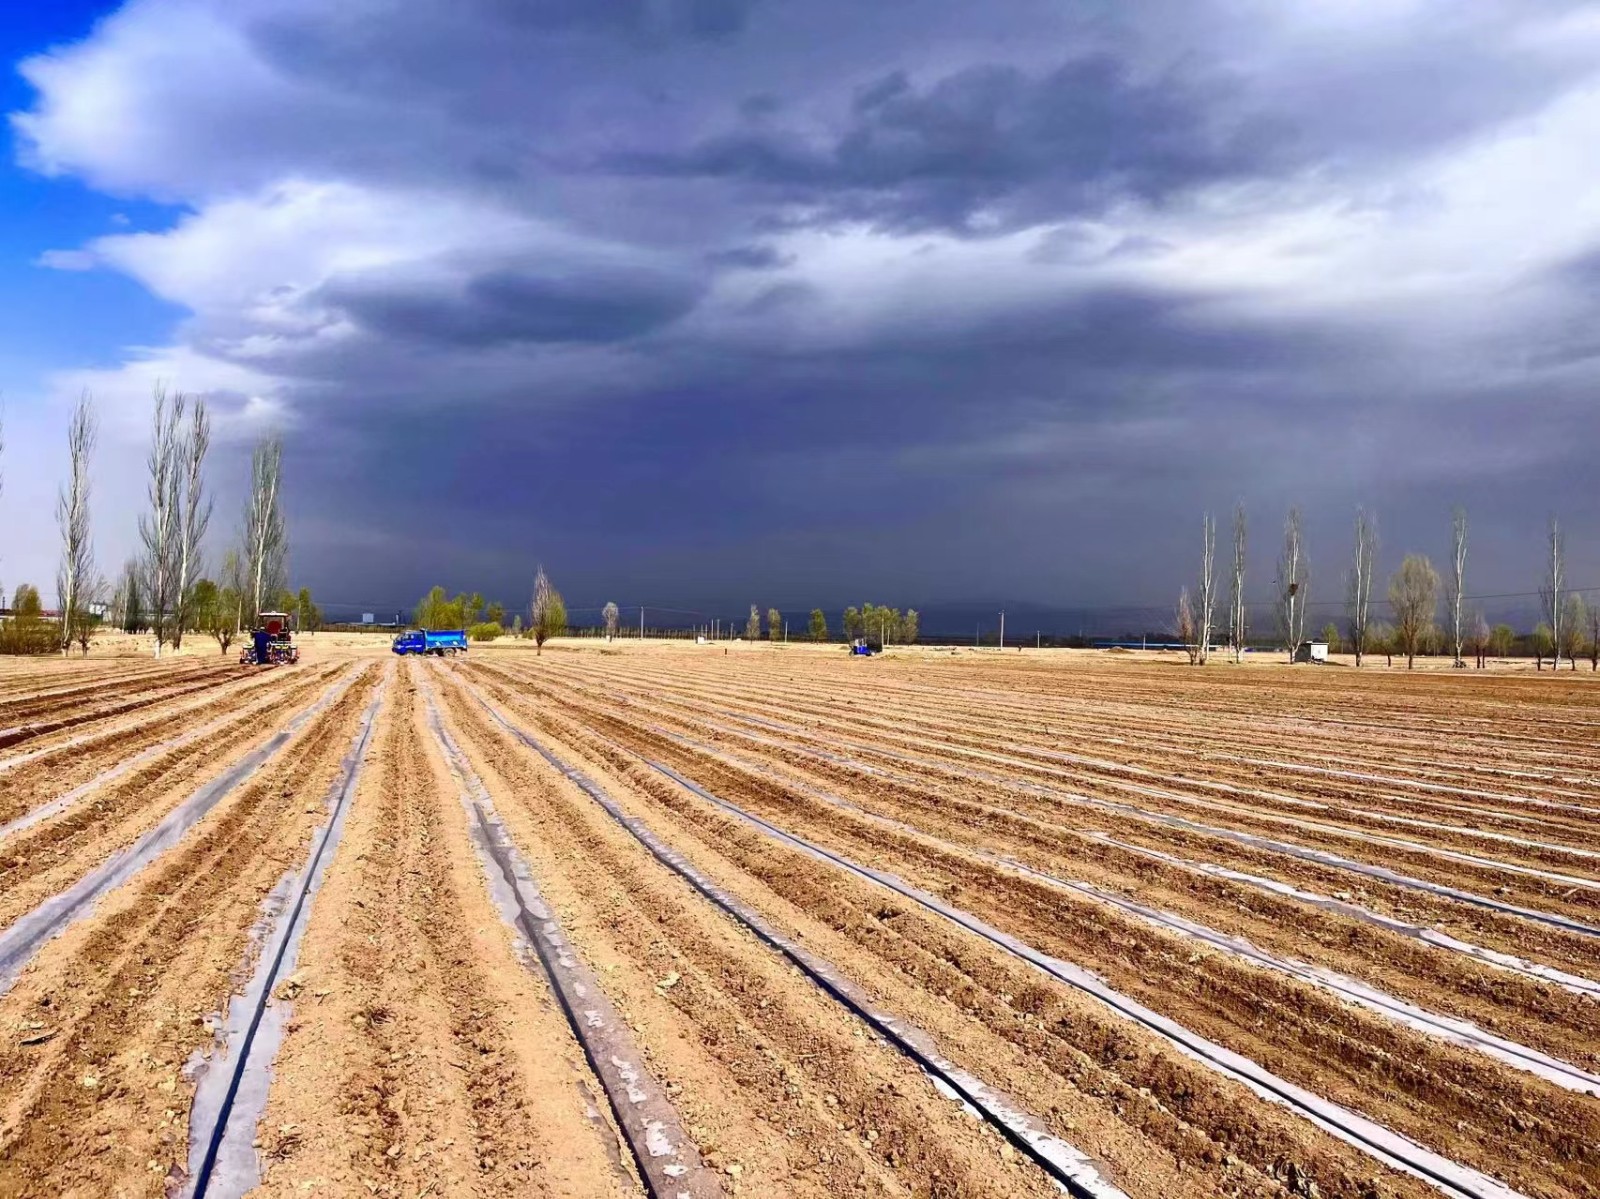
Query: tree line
x=484 y=620
x=162 y=588
x=1416 y=592
x=889 y=625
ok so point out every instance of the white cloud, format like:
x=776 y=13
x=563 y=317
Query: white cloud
x=244 y=403
x=107 y=103
x=69 y=260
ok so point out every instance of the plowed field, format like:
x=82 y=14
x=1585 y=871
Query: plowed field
x=666 y=921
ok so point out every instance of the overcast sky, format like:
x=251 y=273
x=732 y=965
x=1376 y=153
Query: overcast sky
x=717 y=301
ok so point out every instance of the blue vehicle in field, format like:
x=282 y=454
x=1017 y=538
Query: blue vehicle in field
x=431 y=641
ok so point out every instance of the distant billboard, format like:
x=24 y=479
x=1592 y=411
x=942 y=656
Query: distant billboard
x=367 y=618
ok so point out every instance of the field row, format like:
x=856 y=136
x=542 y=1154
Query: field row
x=603 y=923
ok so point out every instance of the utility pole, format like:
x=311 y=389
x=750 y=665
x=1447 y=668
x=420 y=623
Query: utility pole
x=1002 y=628
x=641 y=622
x=1038 y=639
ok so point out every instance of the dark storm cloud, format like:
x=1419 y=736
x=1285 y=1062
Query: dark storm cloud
x=750 y=258
x=695 y=18
x=511 y=305
x=1072 y=138
x=931 y=298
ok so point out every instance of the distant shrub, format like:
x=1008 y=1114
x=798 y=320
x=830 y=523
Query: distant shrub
x=487 y=631
x=27 y=631
x=24 y=636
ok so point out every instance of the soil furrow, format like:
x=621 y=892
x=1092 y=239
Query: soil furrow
x=782 y=1082
x=421 y=1058
x=100 y=1107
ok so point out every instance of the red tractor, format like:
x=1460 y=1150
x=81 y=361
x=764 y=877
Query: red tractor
x=271 y=644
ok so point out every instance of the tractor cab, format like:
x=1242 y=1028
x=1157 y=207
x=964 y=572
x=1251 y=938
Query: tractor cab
x=271 y=643
x=862 y=647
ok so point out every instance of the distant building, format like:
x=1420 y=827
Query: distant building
x=52 y=614
x=368 y=618
x=1312 y=651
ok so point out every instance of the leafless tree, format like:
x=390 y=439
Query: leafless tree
x=1184 y=626
x=1544 y=644
x=159 y=528
x=611 y=614
x=1208 y=584
x=1458 y=575
x=1293 y=583
x=1360 y=598
x=1555 y=579
x=1574 y=618
x=1413 y=594
x=1236 y=610
x=230 y=616
x=549 y=610
x=1478 y=639
x=265 y=541
x=752 y=625
x=75 y=577
x=196 y=514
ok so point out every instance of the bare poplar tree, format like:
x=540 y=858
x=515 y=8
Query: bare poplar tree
x=1458 y=575
x=1478 y=639
x=196 y=515
x=1413 y=594
x=549 y=610
x=1236 y=621
x=235 y=581
x=1574 y=616
x=752 y=625
x=75 y=577
x=611 y=614
x=229 y=613
x=1555 y=579
x=1184 y=626
x=159 y=527
x=1360 y=597
x=1293 y=580
x=265 y=541
x=1208 y=583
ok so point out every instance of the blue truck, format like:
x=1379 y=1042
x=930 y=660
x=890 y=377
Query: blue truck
x=431 y=641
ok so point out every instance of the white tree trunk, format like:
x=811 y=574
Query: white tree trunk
x=72 y=515
x=1458 y=572
x=1366 y=537
x=1208 y=587
x=1237 y=610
